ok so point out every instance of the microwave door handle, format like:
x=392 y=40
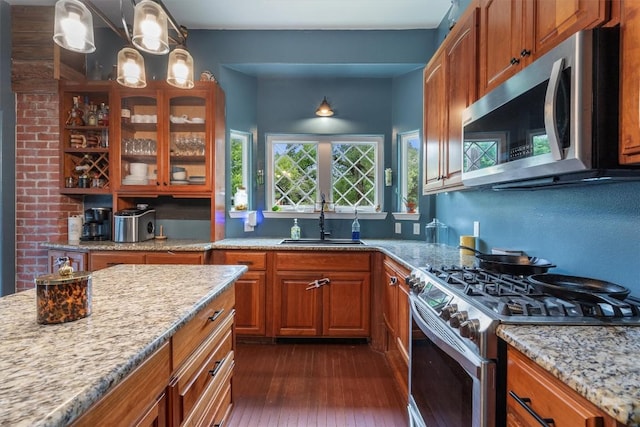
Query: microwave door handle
x=550 y=118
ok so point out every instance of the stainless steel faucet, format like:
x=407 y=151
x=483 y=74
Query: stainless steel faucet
x=322 y=203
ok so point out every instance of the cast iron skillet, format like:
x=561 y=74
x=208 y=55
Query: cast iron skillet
x=511 y=264
x=558 y=285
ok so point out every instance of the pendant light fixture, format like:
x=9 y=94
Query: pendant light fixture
x=180 y=68
x=324 y=110
x=73 y=26
x=131 y=71
x=73 y=30
x=150 y=32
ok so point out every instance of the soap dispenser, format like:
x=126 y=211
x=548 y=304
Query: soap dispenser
x=295 y=230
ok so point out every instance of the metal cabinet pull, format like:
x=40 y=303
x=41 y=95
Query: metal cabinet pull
x=317 y=283
x=245 y=262
x=393 y=280
x=525 y=52
x=524 y=402
x=216 y=367
x=216 y=314
x=514 y=61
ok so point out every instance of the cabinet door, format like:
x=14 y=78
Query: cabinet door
x=556 y=20
x=503 y=40
x=138 y=140
x=346 y=305
x=461 y=66
x=296 y=310
x=434 y=122
x=100 y=260
x=77 y=260
x=187 y=157
x=174 y=258
x=250 y=303
x=404 y=327
x=390 y=306
x=630 y=84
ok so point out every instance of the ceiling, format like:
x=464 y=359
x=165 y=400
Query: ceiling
x=288 y=14
x=292 y=15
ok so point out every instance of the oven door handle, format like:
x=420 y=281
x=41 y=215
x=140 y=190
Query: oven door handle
x=470 y=361
x=524 y=402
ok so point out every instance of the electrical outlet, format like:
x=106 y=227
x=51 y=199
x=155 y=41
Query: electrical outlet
x=416 y=228
x=398 y=227
x=476 y=228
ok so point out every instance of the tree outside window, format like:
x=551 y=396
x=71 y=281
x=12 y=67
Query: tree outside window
x=240 y=160
x=409 y=166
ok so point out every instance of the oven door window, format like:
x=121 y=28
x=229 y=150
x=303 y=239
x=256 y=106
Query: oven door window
x=441 y=388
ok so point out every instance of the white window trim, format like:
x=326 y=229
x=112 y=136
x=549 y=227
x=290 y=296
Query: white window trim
x=325 y=179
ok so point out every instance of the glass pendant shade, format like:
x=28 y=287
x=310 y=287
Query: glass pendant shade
x=180 y=69
x=324 y=110
x=73 y=26
x=150 y=32
x=131 y=68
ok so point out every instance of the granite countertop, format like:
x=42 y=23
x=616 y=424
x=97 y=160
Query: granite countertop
x=175 y=245
x=53 y=373
x=600 y=363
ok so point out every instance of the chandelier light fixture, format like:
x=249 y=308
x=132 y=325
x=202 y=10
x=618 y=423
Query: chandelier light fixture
x=73 y=30
x=324 y=109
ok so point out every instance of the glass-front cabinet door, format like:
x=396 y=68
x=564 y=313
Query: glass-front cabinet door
x=139 y=139
x=165 y=140
x=188 y=155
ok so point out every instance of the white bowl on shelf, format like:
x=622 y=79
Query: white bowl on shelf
x=179 y=176
x=138 y=169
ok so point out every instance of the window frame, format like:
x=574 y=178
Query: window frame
x=403 y=140
x=325 y=179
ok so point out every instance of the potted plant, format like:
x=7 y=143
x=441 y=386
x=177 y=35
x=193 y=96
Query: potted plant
x=410 y=203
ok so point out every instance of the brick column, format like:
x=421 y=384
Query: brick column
x=41 y=211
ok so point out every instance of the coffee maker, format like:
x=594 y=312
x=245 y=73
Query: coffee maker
x=97 y=224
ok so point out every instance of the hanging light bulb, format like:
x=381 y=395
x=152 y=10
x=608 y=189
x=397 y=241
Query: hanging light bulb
x=324 y=110
x=73 y=26
x=150 y=32
x=180 y=68
x=131 y=71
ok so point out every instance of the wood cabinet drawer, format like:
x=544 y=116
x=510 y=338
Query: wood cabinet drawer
x=253 y=260
x=215 y=404
x=545 y=396
x=324 y=261
x=187 y=339
x=100 y=260
x=203 y=368
x=130 y=401
x=174 y=257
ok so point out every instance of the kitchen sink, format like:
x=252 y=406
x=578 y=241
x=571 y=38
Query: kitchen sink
x=319 y=242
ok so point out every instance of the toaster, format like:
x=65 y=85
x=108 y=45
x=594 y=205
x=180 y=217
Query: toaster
x=134 y=225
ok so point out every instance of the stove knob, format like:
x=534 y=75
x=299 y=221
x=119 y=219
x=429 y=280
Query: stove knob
x=469 y=329
x=447 y=311
x=457 y=318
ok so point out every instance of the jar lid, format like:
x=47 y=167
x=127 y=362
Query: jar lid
x=64 y=275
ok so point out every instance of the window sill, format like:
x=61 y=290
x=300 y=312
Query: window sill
x=327 y=215
x=239 y=214
x=404 y=216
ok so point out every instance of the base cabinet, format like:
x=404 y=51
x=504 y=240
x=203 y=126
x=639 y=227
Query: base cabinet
x=533 y=392
x=103 y=259
x=322 y=295
x=187 y=381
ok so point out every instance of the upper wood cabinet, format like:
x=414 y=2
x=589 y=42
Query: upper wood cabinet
x=630 y=83
x=165 y=143
x=513 y=33
x=450 y=85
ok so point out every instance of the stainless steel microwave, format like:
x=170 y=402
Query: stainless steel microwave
x=554 y=122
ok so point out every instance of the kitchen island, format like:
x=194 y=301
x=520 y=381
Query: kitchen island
x=52 y=374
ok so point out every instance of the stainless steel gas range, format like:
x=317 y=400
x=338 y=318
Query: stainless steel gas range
x=457 y=362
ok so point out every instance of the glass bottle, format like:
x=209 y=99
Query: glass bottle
x=125 y=113
x=92 y=118
x=241 y=199
x=295 y=230
x=355 y=229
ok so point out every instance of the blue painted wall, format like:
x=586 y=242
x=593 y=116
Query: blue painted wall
x=7 y=158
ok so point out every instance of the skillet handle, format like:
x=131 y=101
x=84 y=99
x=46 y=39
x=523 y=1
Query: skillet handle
x=477 y=252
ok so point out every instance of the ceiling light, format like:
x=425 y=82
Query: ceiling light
x=150 y=33
x=180 y=68
x=131 y=68
x=324 y=110
x=73 y=26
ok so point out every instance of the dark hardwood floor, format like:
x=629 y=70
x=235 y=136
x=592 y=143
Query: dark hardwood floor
x=314 y=384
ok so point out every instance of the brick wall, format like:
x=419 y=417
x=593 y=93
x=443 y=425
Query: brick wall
x=41 y=211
